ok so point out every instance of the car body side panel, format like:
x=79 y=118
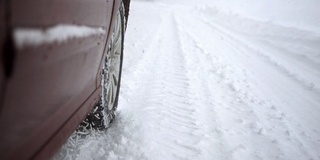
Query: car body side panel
x=2 y=37
x=60 y=137
x=53 y=143
x=51 y=86
x=51 y=82
x=51 y=12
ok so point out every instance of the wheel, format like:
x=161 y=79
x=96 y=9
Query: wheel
x=103 y=113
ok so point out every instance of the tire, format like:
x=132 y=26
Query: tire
x=102 y=114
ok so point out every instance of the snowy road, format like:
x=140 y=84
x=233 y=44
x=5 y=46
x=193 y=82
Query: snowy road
x=199 y=83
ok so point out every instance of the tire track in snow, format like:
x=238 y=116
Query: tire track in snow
x=245 y=117
x=215 y=81
x=281 y=125
x=212 y=140
x=278 y=116
x=246 y=46
x=273 y=43
x=165 y=92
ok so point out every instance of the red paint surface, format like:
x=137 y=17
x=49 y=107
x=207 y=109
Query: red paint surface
x=53 y=86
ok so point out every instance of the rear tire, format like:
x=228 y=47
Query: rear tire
x=104 y=111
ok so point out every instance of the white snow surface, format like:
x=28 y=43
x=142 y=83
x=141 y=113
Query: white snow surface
x=202 y=83
x=34 y=37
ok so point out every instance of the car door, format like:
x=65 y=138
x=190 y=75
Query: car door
x=58 y=48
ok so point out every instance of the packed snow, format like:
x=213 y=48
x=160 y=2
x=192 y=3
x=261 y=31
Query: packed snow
x=34 y=37
x=204 y=82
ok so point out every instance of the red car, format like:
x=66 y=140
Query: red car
x=60 y=66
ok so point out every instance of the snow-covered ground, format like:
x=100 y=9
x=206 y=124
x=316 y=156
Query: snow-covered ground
x=201 y=82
